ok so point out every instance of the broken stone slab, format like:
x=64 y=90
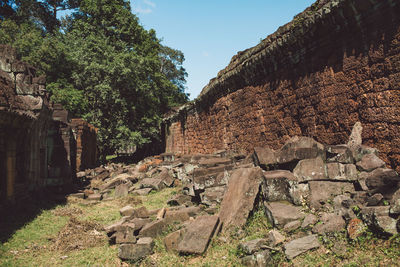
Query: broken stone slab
x=330 y=222
x=211 y=171
x=298 y=193
x=141 y=212
x=239 y=199
x=142 y=192
x=343 y=172
x=77 y=195
x=198 y=234
x=171 y=241
x=360 y=151
x=298 y=246
x=117 y=180
x=375 y=199
x=370 y=162
x=276 y=186
x=249 y=247
x=122 y=190
x=139 y=223
x=298 y=148
x=154 y=183
x=381 y=180
x=102 y=176
x=213 y=195
x=135 y=252
x=264 y=157
x=280 y=214
x=322 y=192
x=275 y=237
x=310 y=169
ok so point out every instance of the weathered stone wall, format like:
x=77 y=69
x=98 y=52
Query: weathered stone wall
x=336 y=63
x=86 y=155
x=24 y=119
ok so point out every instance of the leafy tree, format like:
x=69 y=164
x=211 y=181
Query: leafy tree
x=102 y=65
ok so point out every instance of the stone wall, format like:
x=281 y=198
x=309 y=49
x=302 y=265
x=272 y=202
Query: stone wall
x=86 y=155
x=39 y=145
x=336 y=63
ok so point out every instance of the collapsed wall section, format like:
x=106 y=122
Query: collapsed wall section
x=336 y=63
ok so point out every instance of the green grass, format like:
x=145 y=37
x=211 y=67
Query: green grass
x=31 y=245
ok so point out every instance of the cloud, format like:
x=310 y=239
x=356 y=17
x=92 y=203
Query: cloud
x=149 y=3
x=145 y=7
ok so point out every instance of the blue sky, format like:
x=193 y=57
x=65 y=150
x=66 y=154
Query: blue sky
x=210 y=32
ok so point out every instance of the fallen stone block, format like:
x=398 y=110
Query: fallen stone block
x=171 y=241
x=213 y=162
x=127 y=211
x=378 y=218
x=340 y=154
x=264 y=156
x=179 y=200
x=309 y=220
x=310 y=169
x=166 y=177
x=142 y=192
x=395 y=203
x=198 y=234
x=181 y=215
x=155 y=183
x=211 y=180
x=239 y=199
x=276 y=186
x=323 y=191
x=249 y=247
x=154 y=228
x=139 y=223
x=381 y=180
x=370 y=162
x=213 y=195
x=125 y=236
x=95 y=197
x=77 y=195
x=275 y=237
x=122 y=190
x=298 y=246
x=298 y=148
x=259 y=259
x=280 y=214
x=342 y=172
x=135 y=252
x=330 y=222
x=291 y=226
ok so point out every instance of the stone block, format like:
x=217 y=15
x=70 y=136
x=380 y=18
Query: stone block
x=370 y=162
x=310 y=169
x=280 y=214
x=323 y=191
x=298 y=246
x=122 y=190
x=135 y=252
x=249 y=247
x=343 y=172
x=198 y=234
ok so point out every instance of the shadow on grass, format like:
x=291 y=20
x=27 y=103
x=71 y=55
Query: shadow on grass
x=15 y=216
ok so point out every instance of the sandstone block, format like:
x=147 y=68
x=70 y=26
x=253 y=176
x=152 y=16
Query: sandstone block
x=370 y=162
x=276 y=185
x=249 y=247
x=122 y=190
x=323 y=191
x=213 y=195
x=355 y=138
x=298 y=148
x=381 y=180
x=154 y=183
x=275 y=237
x=153 y=229
x=142 y=192
x=291 y=226
x=301 y=245
x=309 y=220
x=264 y=156
x=310 y=169
x=127 y=211
x=135 y=252
x=331 y=222
x=339 y=171
x=198 y=234
x=280 y=214
x=172 y=240
x=240 y=197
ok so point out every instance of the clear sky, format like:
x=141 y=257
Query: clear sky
x=210 y=32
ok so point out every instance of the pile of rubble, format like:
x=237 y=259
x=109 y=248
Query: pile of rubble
x=303 y=186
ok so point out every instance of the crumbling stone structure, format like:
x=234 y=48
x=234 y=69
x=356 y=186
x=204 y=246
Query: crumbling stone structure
x=37 y=145
x=336 y=63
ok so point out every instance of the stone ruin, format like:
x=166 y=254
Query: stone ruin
x=39 y=145
x=306 y=185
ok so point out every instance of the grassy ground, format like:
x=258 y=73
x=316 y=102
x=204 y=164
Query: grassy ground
x=71 y=235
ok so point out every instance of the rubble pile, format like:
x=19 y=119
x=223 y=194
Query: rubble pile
x=306 y=189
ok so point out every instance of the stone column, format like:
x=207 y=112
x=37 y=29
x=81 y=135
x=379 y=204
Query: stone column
x=10 y=167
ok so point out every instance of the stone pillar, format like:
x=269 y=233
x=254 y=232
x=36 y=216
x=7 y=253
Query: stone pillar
x=10 y=167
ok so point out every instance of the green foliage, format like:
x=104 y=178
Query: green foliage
x=100 y=63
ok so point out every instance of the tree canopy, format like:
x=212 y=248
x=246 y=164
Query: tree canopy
x=100 y=63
